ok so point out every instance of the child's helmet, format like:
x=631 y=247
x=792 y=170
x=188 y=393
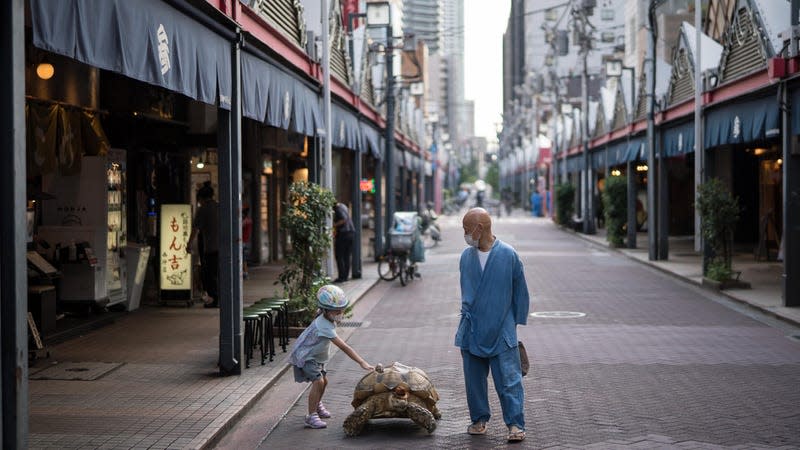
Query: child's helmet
x=332 y=297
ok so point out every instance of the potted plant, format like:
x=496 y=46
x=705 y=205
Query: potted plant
x=306 y=212
x=565 y=203
x=615 y=206
x=719 y=212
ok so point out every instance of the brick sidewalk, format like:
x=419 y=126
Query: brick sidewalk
x=167 y=392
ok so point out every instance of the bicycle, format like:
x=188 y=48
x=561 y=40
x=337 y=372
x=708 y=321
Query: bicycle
x=396 y=264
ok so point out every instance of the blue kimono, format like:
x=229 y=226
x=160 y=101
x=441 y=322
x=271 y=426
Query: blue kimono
x=493 y=302
x=497 y=296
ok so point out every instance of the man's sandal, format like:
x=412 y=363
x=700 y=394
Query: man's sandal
x=515 y=434
x=477 y=428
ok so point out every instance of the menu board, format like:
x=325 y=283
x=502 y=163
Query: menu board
x=176 y=262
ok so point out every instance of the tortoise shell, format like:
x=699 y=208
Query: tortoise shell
x=384 y=379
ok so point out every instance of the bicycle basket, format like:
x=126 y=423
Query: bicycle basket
x=402 y=241
x=405 y=222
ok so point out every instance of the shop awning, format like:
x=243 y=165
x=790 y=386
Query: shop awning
x=678 y=140
x=147 y=40
x=743 y=122
x=273 y=97
x=599 y=158
x=617 y=153
x=796 y=111
x=345 y=129
x=372 y=140
x=575 y=163
x=636 y=151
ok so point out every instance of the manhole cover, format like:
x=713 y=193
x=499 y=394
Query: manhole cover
x=83 y=371
x=558 y=314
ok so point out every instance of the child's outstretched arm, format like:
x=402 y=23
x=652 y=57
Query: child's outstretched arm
x=351 y=353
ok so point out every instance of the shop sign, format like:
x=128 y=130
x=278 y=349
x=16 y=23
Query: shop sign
x=176 y=262
x=367 y=185
x=163 y=49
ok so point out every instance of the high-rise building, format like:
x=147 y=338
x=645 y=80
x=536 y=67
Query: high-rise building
x=423 y=19
x=452 y=50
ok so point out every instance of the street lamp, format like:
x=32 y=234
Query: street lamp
x=379 y=15
x=614 y=68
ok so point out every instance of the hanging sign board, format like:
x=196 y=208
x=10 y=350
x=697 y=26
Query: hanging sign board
x=176 y=262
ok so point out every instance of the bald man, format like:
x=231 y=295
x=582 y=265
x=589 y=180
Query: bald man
x=494 y=300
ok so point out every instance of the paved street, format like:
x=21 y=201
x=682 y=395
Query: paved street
x=653 y=363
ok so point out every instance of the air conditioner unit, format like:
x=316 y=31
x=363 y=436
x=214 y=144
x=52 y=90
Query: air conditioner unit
x=313 y=46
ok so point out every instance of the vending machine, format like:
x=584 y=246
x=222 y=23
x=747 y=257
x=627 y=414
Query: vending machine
x=85 y=227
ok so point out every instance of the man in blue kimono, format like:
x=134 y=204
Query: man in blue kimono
x=494 y=300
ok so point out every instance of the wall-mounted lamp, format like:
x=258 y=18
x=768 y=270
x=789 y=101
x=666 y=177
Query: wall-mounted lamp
x=201 y=160
x=616 y=173
x=641 y=168
x=45 y=70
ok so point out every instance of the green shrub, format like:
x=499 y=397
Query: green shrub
x=719 y=212
x=718 y=272
x=305 y=216
x=615 y=206
x=565 y=203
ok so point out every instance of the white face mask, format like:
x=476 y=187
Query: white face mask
x=470 y=240
x=336 y=317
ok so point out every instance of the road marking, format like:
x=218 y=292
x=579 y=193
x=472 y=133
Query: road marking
x=558 y=314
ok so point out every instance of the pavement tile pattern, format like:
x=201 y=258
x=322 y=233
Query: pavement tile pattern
x=655 y=363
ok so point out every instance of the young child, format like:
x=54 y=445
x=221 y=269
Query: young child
x=311 y=351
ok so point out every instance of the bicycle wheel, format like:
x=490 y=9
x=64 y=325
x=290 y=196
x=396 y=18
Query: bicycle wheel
x=402 y=272
x=411 y=270
x=387 y=268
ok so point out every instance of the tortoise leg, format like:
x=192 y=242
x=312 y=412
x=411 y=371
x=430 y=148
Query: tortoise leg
x=355 y=422
x=436 y=413
x=421 y=416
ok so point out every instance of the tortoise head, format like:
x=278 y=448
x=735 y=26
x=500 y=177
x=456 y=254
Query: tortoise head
x=400 y=392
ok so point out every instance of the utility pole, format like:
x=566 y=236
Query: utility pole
x=699 y=149
x=650 y=63
x=791 y=193
x=588 y=178
x=327 y=159
x=390 y=176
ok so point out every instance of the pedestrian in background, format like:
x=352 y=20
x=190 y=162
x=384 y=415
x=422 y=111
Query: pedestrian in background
x=247 y=232
x=343 y=236
x=494 y=300
x=206 y=224
x=311 y=352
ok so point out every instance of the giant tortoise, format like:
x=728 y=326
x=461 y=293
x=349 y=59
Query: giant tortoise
x=395 y=391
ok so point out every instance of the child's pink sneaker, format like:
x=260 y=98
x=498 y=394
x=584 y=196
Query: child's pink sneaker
x=322 y=411
x=313 y=421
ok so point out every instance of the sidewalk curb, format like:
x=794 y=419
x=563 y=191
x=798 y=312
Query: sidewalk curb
x=687 y=280
x=212 y=441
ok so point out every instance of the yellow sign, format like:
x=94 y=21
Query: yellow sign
x=176 y=262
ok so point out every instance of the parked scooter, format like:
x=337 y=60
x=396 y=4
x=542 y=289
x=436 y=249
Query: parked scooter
x=429 y=229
